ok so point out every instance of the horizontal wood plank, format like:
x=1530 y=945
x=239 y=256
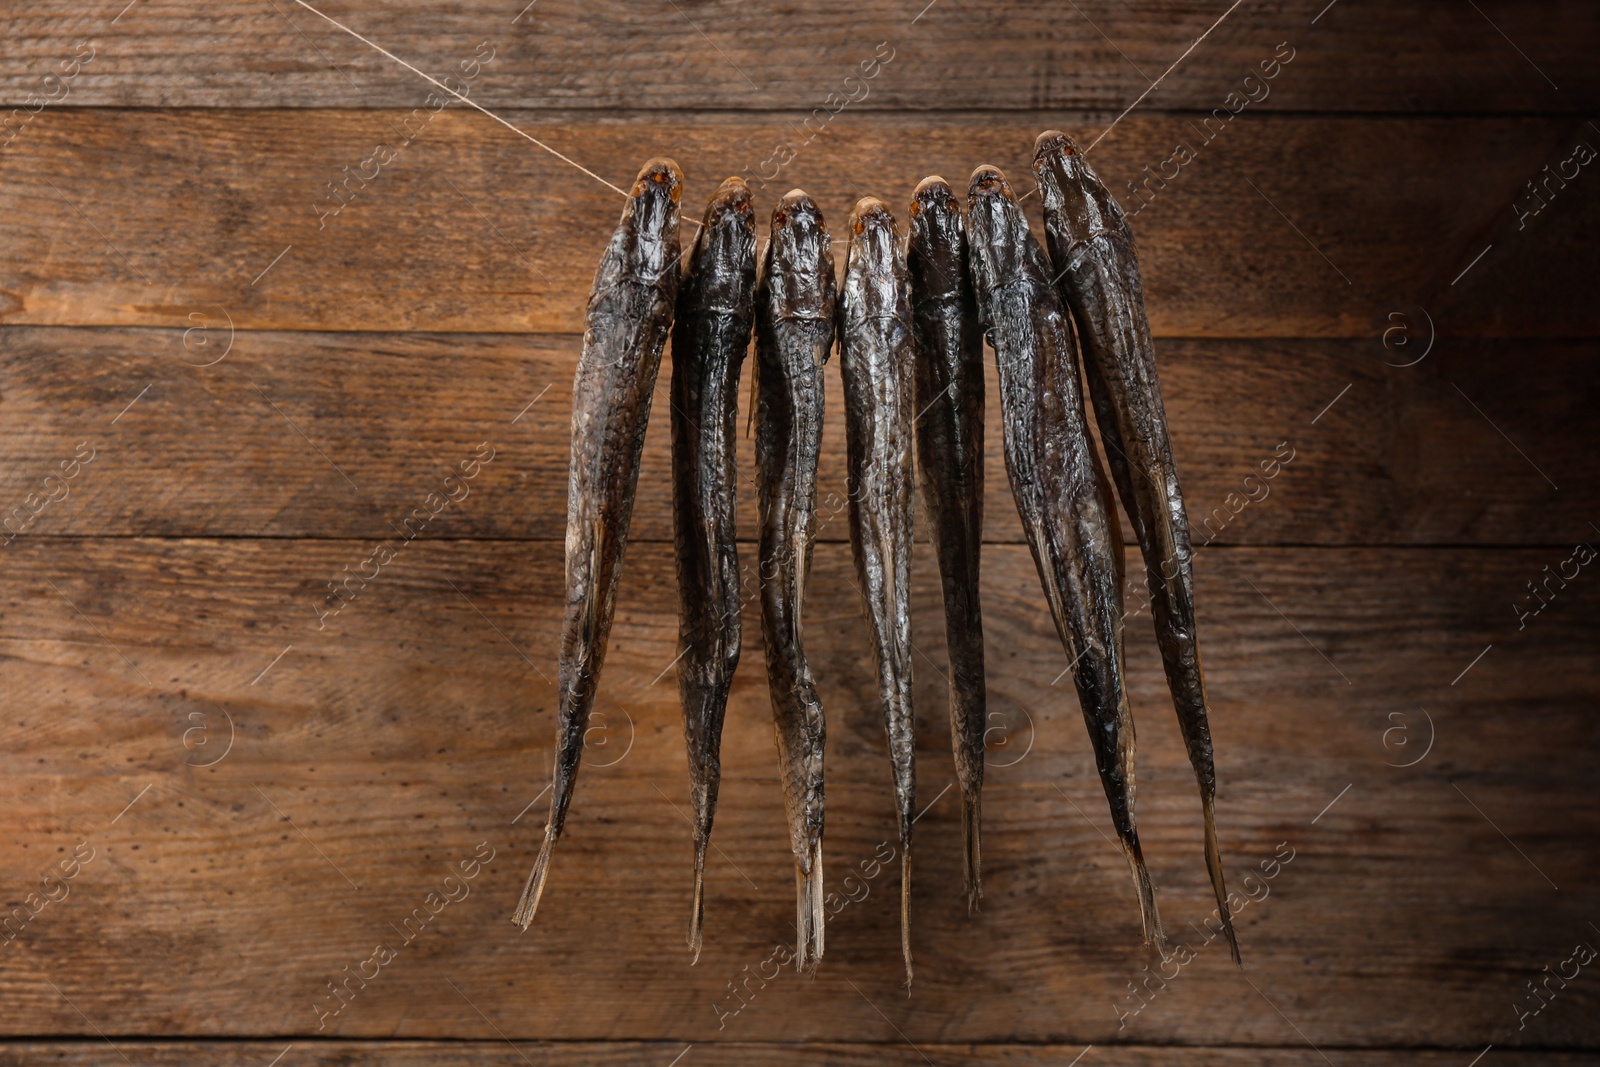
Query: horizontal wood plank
x=176 y=218
x=344 y=435
x=369 y=755
x=1418 y=55
x=710 y=1054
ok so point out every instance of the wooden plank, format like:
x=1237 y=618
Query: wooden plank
x=1413 y=56
x=412 y=728
x=263 y=442
x=710 y=1054
x=129 y=217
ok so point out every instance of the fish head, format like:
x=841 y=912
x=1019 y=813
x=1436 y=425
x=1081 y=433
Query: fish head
x=997 y=231
x=1077 y=205
x=649 y=230
x=799 y=266
x=937 y=256
x=727 y=240
x=875 y=277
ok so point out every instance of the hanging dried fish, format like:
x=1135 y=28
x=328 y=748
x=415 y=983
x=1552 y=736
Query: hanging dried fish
x=949 y=402
x=1097 y=274
x=716 y=309
x=876 y=362
x=794 y=337
x=1062 y=494
x=629 y=315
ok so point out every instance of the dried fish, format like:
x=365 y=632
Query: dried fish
x=949 y=402
x=716 y=310
x=794 y=337
x=876 y=362
x=629 y=315
x=1061 y=492
x=1097 y=274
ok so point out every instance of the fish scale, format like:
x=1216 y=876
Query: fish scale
x=629 y=315
x=1097 y=272
x=949 y=429
x=715 y=314
x=1061 y=492
x=795 y=298
x=876 y=363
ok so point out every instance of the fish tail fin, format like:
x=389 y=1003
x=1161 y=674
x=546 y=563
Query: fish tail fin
x=817 y=913
x=1151 y=918
x=697 y=917
x=1214 y=866
x=972 y=840
x=905 y=908
x=808 y=911
x=802 y=918
x=534 y=889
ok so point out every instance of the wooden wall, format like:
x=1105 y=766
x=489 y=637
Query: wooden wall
x=221 y=801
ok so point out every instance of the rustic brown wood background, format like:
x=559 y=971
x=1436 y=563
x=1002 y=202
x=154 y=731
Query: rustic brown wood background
x=1351 y=267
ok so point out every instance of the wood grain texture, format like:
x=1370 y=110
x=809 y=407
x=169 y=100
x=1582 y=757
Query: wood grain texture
x=274 y=778
x=342 y=435
x=654 y=1054
x=1418 y=55
x=373 y=753
x=1280 y=227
